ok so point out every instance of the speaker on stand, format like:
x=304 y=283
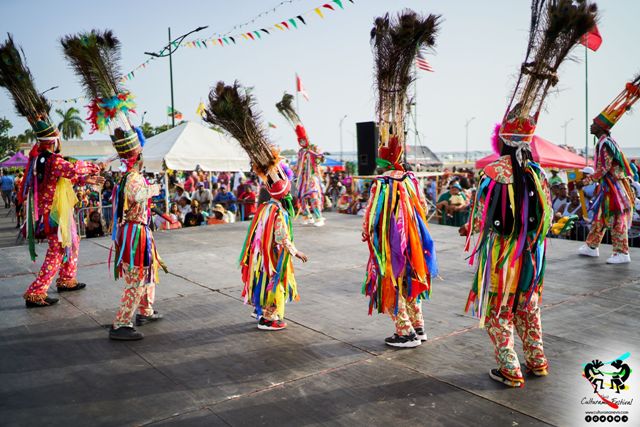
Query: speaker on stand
x=367 y=135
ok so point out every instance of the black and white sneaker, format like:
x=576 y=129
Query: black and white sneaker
x=421 y=334
x=403 y=341
x=254 y=314
x=496 y=375
x=271 y=325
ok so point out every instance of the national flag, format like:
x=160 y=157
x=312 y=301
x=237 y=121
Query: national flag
x=592 y=39
x=201 y=109
x=300 y=88
x=176 y=114
x=422 y=63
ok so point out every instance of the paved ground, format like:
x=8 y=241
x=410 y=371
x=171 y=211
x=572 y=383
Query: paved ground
x=207 y=364
x=8 y=230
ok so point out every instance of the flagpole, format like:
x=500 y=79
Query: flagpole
x=586 y=103
x=297 y=92
x=415 y=117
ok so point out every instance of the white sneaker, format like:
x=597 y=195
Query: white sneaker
x=619 y=258
x=319 y=223
x=307 y=221
x=588 y=251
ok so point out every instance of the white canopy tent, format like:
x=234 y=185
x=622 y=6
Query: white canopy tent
x=191 y=145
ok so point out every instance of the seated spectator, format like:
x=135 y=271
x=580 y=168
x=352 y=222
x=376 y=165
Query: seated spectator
x=194 y=217
x=588 y=190
x=219 y=215
x=554 y=179
x=162 y=223
x=183 y=208
x=94 y=225
x=247 y=199
x=203 y=196
x=180 y=193
x=345 y=203
x=226 y=198
x=560 y=198
x=453 y=205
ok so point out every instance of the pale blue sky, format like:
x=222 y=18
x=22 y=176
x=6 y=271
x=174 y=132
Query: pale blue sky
x=479 y=49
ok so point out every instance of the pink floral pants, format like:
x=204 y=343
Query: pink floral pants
x=312 y=206
x=528 y=326
x=136 y=296
x=52 y=265
x=409 y=316
x=619 y=233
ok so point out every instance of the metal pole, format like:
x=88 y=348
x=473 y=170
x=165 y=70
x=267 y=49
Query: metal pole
x=586 y=105
x=564 y=126
x=341 y=146
x=466 y=140
x=173 y=111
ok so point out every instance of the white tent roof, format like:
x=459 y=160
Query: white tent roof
x=190 y=145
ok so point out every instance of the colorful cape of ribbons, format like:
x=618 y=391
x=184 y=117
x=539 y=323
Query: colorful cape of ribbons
x=267 y=269
x=402 y=257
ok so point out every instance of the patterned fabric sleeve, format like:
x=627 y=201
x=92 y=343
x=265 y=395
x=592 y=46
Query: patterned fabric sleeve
x=138 y=190
x=281 y=234
x=602 y=167
x=76 y=172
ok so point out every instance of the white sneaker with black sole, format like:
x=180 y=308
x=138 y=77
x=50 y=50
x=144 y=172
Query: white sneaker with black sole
x=403 y=341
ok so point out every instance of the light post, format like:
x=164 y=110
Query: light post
x=142 y=121
x=340 y=126
x=466 y=139
x=564 y=126
x=171 y=48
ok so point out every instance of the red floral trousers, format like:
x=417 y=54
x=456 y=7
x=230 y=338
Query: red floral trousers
x=137 y=295
x=619 y=232
x=53 y=264
x=500 y=327
x=409 y=316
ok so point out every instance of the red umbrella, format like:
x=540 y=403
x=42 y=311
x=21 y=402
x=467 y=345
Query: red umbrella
x=547 y=154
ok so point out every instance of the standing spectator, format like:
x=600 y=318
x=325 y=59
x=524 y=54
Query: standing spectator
x=226 y=199
x=203 y=196
x=555 y=179
x=194 y=217
x=107 y=192
x=263 y=194
x=223 y=179
x=6 y=185
x=247 y=199
x=190 y=183
x=634 y=169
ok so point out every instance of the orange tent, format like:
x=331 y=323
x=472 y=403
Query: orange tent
x=547 y=154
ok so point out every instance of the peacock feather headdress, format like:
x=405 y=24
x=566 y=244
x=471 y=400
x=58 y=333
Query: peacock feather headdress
x=556 y=28
x=396 y=41
x=285 y=107
x=95 y=56
x=16 y=78
x=233 y=108
x=620 y=105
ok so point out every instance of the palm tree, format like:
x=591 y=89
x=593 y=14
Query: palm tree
x=27 y=136
x=72 y=125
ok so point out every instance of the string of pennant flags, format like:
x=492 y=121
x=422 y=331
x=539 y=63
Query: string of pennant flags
x=255 y=18
x=258 y=34
x=230 y=40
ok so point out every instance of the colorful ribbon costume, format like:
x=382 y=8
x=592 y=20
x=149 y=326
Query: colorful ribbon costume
x=47 y=189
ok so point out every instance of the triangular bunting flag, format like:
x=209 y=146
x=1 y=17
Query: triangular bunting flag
x=319 y=12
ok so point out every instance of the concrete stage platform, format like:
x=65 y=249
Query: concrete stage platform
x=207 y=364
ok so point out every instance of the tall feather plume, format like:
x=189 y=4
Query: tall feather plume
x=556 y=28
x=95 y=57
x=16 y=78
x=285 y=107
x=231 y=107
x=395 y=42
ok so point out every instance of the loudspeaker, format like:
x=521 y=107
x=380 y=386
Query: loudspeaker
x=367 y=147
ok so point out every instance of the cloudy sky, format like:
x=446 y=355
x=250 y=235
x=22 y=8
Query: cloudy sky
x=479 y=49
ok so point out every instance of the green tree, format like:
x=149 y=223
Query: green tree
x=147 y=130
x=26 y=137
x=72 y=125
x=8 y=143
